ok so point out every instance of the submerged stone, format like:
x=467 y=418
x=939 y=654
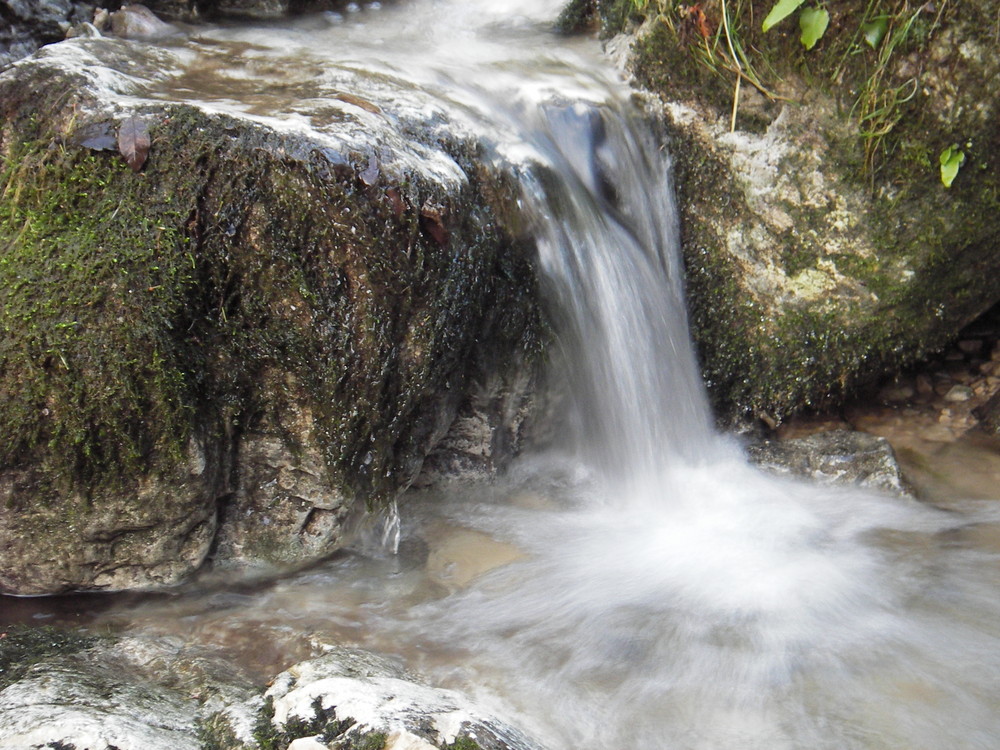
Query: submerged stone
x=842 y=457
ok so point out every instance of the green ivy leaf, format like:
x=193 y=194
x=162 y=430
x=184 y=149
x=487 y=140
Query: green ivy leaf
x=781 y=10
x=875 y=31
x=813 y=22
x=952 y=158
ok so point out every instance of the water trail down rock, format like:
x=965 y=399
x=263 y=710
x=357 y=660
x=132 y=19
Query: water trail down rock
x=651 y=590
x=607 y=233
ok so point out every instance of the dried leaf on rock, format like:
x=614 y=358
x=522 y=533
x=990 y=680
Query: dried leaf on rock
x=97 y=136
x=133 y=142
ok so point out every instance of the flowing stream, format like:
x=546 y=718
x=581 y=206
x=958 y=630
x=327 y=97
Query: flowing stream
x=642 y=586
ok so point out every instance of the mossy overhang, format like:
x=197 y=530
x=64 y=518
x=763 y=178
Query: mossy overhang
x=141 y=306
x=910 y=263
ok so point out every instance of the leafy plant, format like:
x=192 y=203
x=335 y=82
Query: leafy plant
x=952 y=159
x=880 y=105
x=781 y=10
x=813 y=23
x=874 y=31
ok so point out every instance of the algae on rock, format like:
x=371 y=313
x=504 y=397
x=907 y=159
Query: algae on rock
x=822 y=249
x=258 y=320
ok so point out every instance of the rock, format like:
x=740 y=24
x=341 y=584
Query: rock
x=403 y=740
x=989 y=415
x=86 y=30
x=897 y=392
x=142 y=532
x=155 y=693
x=924 y=384
x=959 y=393
x=486 y=434
x=129 y=694
x=248 y=8
x=381 y=698
x=281 y=340
x=836 y=457
x=28 y=24
x=138 y=21
x=820 y=260
x=459 y=556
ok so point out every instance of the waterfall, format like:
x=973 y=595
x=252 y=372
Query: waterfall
x=607 y=234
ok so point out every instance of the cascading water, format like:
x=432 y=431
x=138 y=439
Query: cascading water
x=664 y=594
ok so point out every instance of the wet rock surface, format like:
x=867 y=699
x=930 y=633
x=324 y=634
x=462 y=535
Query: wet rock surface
x=158 y=693
x=25 y=25
x=819 y=261
x=835 y=457
x=946 y=447
x=381 y=698
x=132 y=693
x=309 y=305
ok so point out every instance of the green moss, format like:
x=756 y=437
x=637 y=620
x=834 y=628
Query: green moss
x=463 y=743
x=76 y=256
x=910 y=239
x=142 y=308
x=324 y=725
x=214 y=732
x=21 y=647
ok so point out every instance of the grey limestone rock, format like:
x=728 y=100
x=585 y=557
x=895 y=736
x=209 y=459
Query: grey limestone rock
x=132 y=694
x=381 y=697
x=835 y=457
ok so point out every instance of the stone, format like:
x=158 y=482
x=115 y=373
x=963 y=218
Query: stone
x=989 y=415
x=307 y=743
x=897 y=392
x=160 y=693
x=249 y=8
x=380 y=697
x=924 y=384
x=148 y=531
x=28 y=24
x=841 y=457
x=288 y=341
x=817 y=266
x=970 y=346
x=958 y=393
x=135 y=693
x=403 y=740
x=459 y=556
x=137 y=21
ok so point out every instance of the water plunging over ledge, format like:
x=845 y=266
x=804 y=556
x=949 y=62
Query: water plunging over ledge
x=643 y=587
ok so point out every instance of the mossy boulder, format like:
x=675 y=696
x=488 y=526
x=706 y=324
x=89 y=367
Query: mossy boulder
x=823 y=250
x=257 y=321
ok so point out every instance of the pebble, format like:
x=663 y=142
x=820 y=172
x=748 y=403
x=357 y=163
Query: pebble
x=897 y=393
x=959 y=393
x=943 y=387
x=971 y=346
x=925 y=386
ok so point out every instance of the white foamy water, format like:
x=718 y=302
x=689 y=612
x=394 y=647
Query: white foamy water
x=648 y=589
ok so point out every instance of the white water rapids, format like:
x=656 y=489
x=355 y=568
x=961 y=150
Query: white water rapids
x=650 y=589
